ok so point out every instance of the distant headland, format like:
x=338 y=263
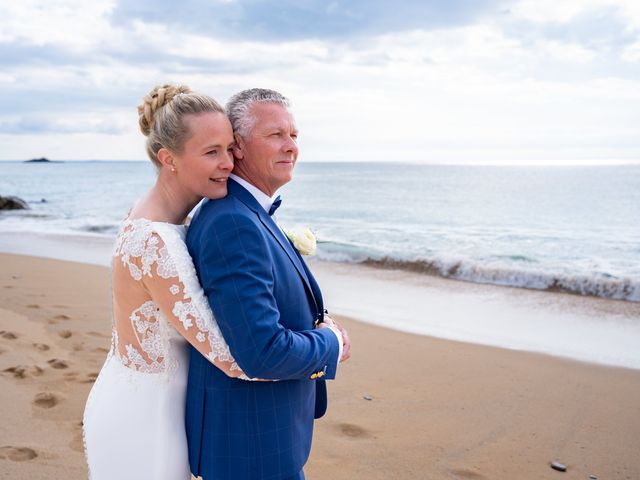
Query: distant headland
x=41 y=160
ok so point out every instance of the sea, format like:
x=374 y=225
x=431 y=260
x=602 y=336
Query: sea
x=570 y=229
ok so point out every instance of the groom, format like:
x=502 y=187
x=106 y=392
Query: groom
x=267 y=304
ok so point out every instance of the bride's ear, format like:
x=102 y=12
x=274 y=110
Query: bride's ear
x=166 y=159
x=238 y=147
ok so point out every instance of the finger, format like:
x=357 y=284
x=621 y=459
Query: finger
x=346 y=345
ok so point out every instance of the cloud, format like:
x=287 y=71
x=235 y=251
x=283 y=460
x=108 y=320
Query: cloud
x=421 y=81
x=288 y=20
x=106 y=123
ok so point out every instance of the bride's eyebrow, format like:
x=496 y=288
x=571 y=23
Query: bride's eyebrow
x=211 y=147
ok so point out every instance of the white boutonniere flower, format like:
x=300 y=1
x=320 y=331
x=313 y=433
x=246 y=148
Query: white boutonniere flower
x=303 y=239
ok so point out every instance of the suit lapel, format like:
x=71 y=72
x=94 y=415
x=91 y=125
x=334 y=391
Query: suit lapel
x=238 y=191
x=315 y=288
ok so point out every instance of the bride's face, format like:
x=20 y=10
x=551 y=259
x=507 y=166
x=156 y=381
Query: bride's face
x=206 y=160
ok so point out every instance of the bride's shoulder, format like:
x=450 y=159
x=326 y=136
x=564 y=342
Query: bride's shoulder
x=137 y=234
x=143 y=242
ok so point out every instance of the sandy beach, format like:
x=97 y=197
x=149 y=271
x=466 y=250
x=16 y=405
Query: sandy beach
x=405 y=406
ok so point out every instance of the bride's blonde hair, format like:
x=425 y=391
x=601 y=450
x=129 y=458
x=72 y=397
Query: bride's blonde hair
x=161 y=116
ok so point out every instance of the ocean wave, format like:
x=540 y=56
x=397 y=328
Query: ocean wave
x=107 y=229
x=599 y=284
x=22 y=214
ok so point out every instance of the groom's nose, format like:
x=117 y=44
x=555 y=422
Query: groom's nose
x=291 y=146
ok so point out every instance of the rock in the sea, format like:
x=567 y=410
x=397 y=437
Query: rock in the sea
x=38 y=160
x=559 y=466
x=13 y=203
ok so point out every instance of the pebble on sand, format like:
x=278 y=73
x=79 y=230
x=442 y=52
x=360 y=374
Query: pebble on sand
x=559 y=466
x=368 y=397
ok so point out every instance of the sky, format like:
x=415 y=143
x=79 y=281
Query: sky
x=457 y=81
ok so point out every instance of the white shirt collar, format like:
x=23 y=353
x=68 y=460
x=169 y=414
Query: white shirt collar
x=263 y=199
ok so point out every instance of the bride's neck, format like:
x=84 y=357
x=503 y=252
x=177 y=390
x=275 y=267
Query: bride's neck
x=165 y=202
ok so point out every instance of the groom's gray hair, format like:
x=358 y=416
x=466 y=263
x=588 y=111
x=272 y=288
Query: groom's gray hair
x=239 y=107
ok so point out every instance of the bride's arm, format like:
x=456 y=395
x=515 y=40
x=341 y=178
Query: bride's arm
x=173 y=285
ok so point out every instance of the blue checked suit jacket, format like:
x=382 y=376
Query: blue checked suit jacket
x=265 y=301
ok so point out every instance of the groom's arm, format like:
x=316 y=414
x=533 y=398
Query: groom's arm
x=237 y=277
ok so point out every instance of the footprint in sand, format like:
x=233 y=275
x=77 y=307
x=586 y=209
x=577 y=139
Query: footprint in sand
x=351 y=430
x=91 y=377
x=45 y=400
x=65 y=333
x=98 y=334
x=58 y=364
x=101 y=350
x=17 y=454
x=62 y=317
x=8 y=335
x=8 y=286
x=43 y=347
x=33 y=305
x=464 y=474
x=24 y=371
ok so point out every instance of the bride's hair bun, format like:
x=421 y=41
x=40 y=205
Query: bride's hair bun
x=161 y=116
x=155 y=100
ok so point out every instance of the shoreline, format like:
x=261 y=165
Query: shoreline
x=434 y=408
x=589 y=329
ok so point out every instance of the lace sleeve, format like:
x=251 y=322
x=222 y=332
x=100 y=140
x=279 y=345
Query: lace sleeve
x=170 y=278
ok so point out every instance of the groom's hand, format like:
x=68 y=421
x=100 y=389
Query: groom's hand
x=346 y=342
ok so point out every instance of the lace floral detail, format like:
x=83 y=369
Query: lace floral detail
x=198 y=307
x=147 y=327
x=155 y=257
x=131 y=243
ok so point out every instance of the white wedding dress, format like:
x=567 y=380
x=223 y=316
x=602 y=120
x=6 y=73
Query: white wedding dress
x=134 y=416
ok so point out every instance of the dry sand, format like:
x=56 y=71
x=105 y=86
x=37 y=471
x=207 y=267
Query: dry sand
x=434 y=409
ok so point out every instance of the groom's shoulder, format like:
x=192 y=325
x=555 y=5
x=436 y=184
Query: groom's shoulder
x=222 y=210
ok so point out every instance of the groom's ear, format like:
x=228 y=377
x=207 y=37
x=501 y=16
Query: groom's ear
x=238 y=147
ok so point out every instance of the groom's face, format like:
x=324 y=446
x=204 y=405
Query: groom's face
x=266 y=158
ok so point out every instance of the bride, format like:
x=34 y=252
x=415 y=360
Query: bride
x=134 y=416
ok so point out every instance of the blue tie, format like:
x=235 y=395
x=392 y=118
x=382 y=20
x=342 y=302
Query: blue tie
x=274 y=206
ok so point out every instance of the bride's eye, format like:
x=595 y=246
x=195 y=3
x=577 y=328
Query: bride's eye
x=212 y=152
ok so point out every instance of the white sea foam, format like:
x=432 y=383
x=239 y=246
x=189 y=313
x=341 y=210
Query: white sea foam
x=529 y=275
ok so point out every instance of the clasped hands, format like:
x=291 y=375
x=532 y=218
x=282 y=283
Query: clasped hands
x=346 y=343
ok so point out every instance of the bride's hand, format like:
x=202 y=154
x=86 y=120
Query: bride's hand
x=328 y=320
x=346 y=342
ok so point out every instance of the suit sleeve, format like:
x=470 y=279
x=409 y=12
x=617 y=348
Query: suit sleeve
x=166 y=281
x=237 y=277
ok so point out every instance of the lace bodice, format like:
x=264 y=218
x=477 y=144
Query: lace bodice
x=157 y=299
